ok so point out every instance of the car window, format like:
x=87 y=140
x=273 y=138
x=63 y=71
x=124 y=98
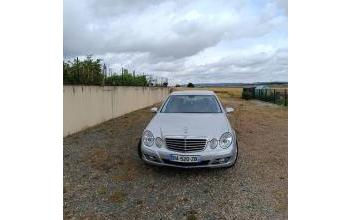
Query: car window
x=191 y=104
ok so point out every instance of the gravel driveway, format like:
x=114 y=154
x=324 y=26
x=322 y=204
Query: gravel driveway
x=105 y=179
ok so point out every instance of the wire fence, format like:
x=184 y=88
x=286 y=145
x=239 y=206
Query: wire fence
x=156 y=80
x=276 y=96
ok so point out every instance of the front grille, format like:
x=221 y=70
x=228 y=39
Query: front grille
x=185 y=145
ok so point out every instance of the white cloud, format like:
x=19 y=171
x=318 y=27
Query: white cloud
x=184 y=40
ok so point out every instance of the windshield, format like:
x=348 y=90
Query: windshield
x=191 y=104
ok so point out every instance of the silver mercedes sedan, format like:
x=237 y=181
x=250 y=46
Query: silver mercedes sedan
x=190 y=130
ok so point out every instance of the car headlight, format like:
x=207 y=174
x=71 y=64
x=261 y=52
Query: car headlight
x=148 y=138
x=225 y=140
x=159 y=142
x=213 y=143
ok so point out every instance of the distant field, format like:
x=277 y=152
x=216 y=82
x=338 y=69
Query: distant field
x=222 y=92
x=229 y=92
x=279 y=87
x=225 y=92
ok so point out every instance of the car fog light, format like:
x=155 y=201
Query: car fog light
x=149 y=157
x=222 y=160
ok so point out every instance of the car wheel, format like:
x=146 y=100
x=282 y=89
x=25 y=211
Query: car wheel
x=140 y=148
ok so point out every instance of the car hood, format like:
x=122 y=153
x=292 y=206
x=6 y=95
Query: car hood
x=189 y=124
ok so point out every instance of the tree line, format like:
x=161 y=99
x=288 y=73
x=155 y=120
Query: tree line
x=92 y=72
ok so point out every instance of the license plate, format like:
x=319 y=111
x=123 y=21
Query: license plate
x=184 y=158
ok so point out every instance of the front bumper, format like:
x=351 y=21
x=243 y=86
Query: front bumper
x=209 y=158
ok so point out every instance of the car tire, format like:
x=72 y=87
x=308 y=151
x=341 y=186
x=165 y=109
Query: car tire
x=140 y=149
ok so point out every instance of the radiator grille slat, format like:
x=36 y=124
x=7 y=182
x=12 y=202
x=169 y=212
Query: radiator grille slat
x=185 y=145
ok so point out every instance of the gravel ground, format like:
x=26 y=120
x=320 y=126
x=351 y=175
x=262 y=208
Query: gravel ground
x=104 y=178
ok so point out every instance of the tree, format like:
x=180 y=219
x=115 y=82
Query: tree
x=92 y=72
x=191 y=85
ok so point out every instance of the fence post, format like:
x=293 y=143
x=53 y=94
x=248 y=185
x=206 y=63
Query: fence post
x=274 y=96
x=285 y=97
x=260 y=94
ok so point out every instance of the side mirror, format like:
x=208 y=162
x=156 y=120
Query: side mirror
x=229 y=110
x=154 y=109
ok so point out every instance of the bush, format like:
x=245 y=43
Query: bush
x=191 y=85
x=126 y=80
x=91 y=72
x=86 y=72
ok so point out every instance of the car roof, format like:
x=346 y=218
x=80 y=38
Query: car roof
x=193 y=92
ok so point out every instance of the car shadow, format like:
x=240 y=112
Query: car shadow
x=186 y=172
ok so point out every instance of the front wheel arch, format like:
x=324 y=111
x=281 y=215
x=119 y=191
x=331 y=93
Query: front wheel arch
x=236 y=157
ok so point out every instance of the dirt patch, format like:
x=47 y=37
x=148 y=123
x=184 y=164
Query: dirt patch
x=104 y=178
x=102 y=159
x=118 y=196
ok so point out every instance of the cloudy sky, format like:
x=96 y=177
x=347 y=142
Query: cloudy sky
x=195 y=41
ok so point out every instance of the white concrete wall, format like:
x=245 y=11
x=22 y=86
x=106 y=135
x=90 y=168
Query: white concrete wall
x=85 y=106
